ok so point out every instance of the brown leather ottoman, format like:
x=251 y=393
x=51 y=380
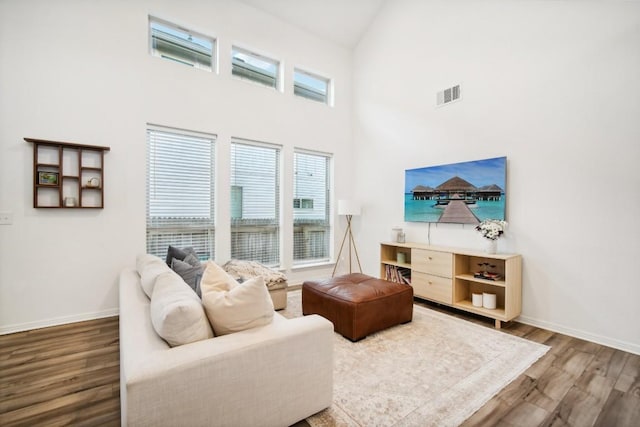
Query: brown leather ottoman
x=357 y=304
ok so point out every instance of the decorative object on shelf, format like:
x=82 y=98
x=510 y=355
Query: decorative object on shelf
x=47 y=178
x=395 y=234
x=401 y=257
x=491 y=230
x=491 y=246
x=476 y=300
x=70 y=202
x=489 y=300
x=348 y=208
x=93 y=183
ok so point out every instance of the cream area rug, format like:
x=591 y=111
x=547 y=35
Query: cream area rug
x=434 y=371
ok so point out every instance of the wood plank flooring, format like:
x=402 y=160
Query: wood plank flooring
x=69 y=375
x=577 y=383
x=63 y=375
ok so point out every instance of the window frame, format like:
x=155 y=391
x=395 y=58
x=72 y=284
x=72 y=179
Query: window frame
x=328 y=97
x=155 y=52
x=277 y=85
x=262 y=227
x=313 y=225
x=181 y=228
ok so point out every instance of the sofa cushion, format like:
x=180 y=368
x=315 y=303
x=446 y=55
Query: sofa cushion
x=176 y=311
x=244 y=306
x=149 y=268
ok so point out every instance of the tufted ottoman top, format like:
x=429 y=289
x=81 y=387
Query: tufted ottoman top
x=357 y=287
x=358 y=304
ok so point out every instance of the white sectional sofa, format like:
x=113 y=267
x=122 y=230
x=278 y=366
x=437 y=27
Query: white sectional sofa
x=273 y=375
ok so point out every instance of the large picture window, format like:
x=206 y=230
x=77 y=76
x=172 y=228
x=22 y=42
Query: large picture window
x=180 y=186
x=311 y=209
x=255 y=202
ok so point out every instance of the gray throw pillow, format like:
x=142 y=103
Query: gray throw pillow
x=189 y=273
x=192 y=260
x=179 y=254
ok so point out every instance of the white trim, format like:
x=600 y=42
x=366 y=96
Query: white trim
x=312 y=265
x=187 y=132
x=312 y=152
x=576 y=333
x=20 y=327
x=255 y=143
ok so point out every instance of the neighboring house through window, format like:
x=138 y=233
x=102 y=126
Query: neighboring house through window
x=255 y=202
x=311 y=208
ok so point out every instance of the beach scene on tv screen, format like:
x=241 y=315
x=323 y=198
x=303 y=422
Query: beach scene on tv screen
x=457 y=193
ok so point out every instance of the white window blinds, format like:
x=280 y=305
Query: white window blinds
x=255 y=202
x=180 y=185
x=311 y=213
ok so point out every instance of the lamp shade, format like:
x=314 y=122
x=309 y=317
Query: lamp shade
x=348 y=207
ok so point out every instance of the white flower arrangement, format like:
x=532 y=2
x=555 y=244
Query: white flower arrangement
x=491 y=228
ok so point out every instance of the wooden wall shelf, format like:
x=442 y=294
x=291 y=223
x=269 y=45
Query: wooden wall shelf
x=67 y=175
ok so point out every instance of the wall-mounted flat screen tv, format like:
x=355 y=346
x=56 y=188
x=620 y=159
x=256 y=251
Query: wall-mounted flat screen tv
x=458 y=193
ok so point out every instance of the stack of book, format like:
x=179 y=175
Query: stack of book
x=398 y=274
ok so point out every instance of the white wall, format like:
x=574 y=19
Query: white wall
x=80 y=71
x=554 y=87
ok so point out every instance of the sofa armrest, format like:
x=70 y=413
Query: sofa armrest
x=272 y=375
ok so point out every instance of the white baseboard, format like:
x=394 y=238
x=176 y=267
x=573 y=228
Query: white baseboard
x=576 y=333
x=19 y=327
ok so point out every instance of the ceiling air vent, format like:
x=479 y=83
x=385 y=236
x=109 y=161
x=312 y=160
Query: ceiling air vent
x=448 y=95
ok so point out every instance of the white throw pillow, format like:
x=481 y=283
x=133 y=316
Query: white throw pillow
x=214 y=278
x=176 y=311
x=247 y=305
x=149 y=268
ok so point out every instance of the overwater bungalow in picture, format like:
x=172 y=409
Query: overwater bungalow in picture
x=457 y=188
x=492 y=193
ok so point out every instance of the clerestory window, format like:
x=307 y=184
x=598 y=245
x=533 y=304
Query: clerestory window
x=257 y=68
x=177 y=44
x=311 y=86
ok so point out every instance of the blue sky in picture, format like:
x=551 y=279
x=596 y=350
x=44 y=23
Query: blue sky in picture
x=477 y=172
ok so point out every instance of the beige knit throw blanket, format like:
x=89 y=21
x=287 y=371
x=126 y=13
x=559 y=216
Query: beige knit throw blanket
x=244 y=270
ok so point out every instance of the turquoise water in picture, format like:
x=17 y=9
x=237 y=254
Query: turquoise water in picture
x=424 y=210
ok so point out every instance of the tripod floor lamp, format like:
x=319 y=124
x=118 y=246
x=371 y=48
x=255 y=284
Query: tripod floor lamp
x=348 y=208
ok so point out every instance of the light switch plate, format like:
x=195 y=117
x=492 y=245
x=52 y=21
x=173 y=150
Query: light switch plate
x=6 y=218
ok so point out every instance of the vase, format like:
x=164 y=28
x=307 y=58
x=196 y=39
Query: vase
x=491 y=246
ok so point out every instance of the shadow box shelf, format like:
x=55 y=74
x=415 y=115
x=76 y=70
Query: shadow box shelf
x=67 y=175
x=452 y=276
